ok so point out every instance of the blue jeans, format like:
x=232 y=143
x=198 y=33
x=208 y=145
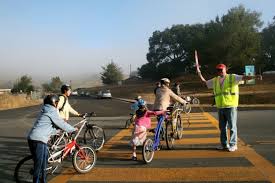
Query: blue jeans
x=228 y=119
x=39 y=151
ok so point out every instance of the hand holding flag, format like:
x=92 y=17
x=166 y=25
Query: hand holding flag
x=197 y=61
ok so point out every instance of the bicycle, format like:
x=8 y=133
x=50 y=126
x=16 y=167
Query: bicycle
x=174 y=125
x=130 y=120
x=187 y=108
x=93 y=135
x=83 y=159
x=150 y=146
x=190 y=100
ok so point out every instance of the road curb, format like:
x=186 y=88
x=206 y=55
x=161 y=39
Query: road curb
x=241 y=106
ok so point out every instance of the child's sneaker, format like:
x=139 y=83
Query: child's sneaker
x=134 y=158
x=222 y=147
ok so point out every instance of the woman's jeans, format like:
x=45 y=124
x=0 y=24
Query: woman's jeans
x=228 y=119
x=39 y=151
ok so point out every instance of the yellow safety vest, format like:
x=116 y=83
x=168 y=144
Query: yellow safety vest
x=228 y=95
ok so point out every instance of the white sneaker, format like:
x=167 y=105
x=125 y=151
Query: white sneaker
x=233 y=148
x=221 y=147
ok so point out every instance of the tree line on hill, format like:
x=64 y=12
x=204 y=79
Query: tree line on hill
x=24 y=85
x=234 y=39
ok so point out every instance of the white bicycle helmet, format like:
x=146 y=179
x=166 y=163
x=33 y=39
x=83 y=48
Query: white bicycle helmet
x=165 y=81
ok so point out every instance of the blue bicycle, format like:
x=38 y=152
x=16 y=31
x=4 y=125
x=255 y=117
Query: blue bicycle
x=150 y=146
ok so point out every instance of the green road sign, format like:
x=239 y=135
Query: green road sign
x=250 y=71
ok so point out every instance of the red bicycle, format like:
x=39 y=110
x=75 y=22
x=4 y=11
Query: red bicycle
x=83 y=159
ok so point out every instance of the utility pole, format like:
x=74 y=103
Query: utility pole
x=130 y=71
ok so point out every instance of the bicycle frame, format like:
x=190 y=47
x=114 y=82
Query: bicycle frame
x=157 y=134
x=176 y=111
x=69 y=147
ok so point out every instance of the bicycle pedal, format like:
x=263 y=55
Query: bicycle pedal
x=159 y=147
x=54 y=169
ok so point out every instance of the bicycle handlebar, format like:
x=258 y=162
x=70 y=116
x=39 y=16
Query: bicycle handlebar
x=91 y=114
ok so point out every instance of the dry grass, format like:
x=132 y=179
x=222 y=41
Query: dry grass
x=8 y=101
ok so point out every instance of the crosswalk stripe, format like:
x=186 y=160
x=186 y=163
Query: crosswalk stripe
x=259 y=162
x=198 y=141
x=197 y=132
x=171 y=174
x=192 y=125
x=175 y=154
x=117 y=148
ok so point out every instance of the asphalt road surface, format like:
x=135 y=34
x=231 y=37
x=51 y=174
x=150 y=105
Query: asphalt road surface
x=194 y=159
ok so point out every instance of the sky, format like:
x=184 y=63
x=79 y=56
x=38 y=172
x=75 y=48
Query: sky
x=72 y=39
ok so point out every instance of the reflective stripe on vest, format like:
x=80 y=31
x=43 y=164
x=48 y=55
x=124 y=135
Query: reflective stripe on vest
x=228 y=95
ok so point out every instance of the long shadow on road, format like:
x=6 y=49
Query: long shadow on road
x=12 y=150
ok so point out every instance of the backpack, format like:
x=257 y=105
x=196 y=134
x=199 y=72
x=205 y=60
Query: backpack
x=65 y=100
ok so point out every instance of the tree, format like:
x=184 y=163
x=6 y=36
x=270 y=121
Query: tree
x=233 y=39
x=24 y=85
x=54 y=85
x=241 y=38
x=268 y=42
x=171 y=51
x=111 y=74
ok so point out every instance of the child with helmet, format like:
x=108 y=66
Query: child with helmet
x=45 y=125
x=142 y=123
x=134 y=106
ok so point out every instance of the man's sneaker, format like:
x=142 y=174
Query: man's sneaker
x=233 y=148
x=222 y=147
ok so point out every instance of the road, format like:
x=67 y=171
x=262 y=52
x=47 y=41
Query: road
x=194 y=159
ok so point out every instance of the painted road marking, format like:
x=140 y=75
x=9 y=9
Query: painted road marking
x=266 y=142
x=171 y=174
x=117 y=150
x=257 y=160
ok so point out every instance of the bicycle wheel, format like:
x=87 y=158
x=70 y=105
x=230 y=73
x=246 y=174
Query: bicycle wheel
x=23 y=172
x=148 y=150
x=127 y=123
x=169 y=135
x=179 y=127
x=195 y=101
x=94 y=136
x=187 y=108
x=84 y=159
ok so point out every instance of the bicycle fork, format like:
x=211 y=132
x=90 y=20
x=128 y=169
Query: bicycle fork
x=157 y=134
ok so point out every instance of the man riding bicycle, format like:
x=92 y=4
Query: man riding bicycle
x=164 y=95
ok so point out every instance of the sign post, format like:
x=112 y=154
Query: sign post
x=250 y=71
